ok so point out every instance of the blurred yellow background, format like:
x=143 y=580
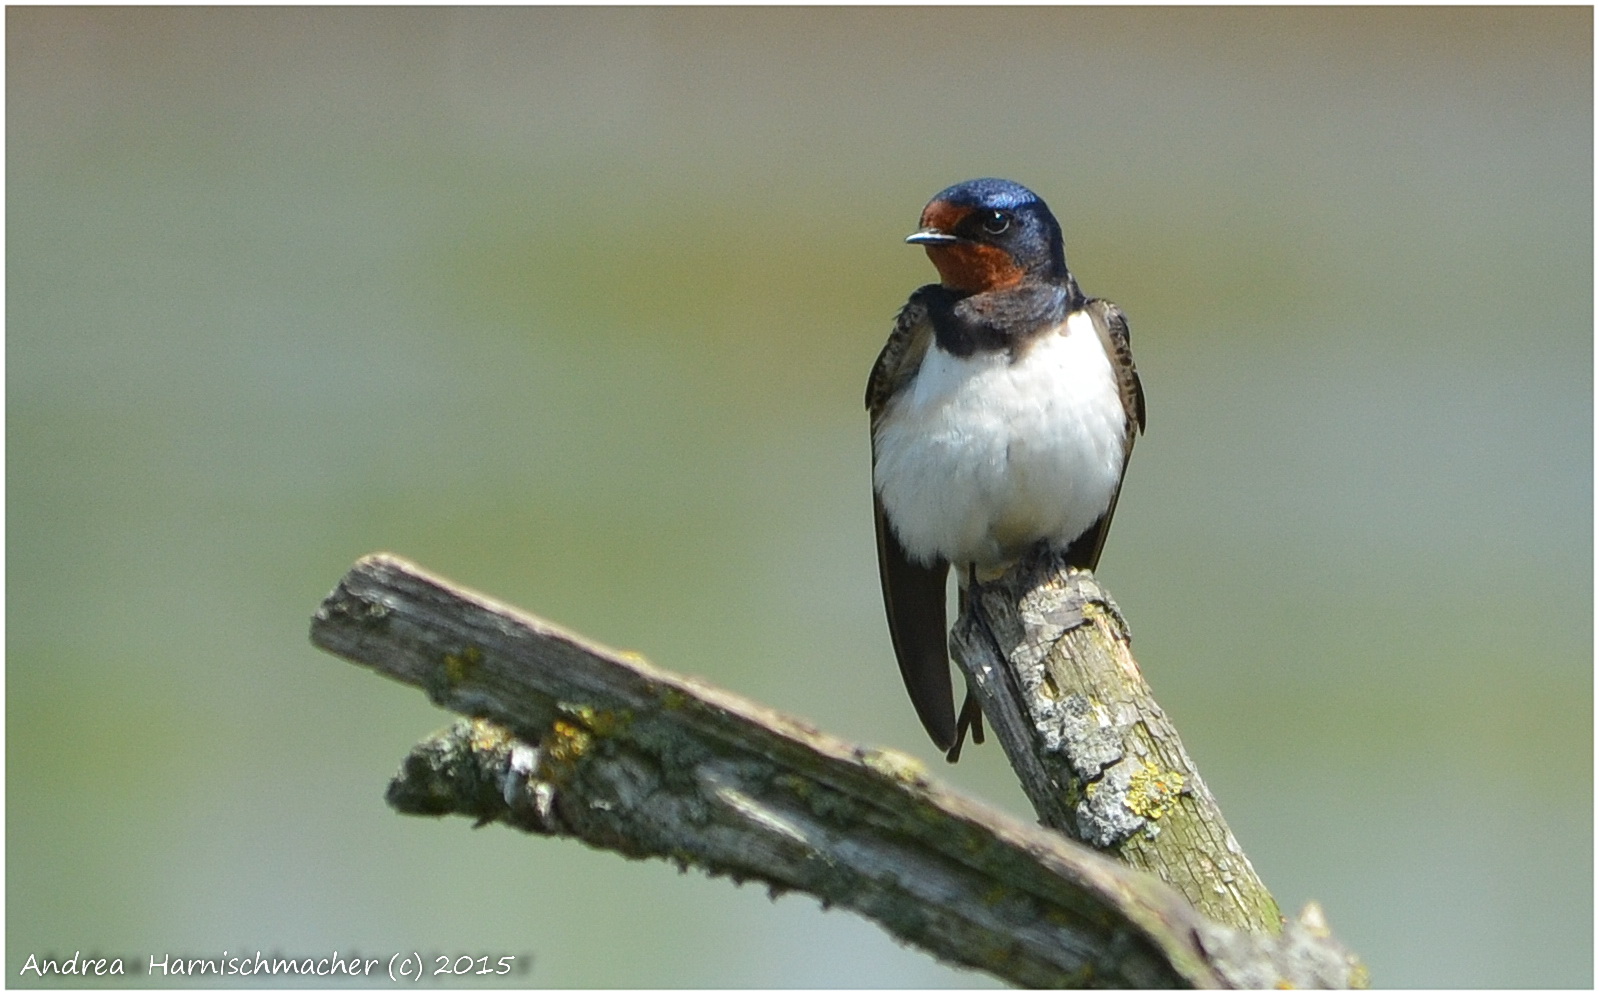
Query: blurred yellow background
x=577 y=306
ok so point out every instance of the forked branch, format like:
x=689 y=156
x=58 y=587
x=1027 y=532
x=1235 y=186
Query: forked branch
x=571 y=739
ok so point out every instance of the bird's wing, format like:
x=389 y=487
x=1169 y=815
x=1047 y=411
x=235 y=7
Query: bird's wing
x=913 y=597
x=1111 y=325
x=913 y=594
x=901 y=356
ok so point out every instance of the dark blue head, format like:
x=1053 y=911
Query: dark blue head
x=988 y=234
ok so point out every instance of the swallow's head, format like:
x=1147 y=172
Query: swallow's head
x=990 y=234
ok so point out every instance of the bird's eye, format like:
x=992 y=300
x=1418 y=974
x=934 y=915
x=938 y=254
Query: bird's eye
x=997 y=222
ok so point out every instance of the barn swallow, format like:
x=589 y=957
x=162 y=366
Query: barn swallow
x=1003 y=410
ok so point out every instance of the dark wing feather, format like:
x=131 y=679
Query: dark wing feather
x=913 y=595
x=1112 y=327
x=901 y=356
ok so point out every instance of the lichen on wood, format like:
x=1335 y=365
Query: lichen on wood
x=568 y=738
x=1047 y=649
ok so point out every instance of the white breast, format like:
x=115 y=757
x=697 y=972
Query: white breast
x=979 y=457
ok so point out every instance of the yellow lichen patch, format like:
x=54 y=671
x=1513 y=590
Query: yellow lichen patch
x=1150 y=791
x=1096 y=709
x=597 y=720
x=566 y=742
x=486 y=736
x=901 y=767
x=459 y=666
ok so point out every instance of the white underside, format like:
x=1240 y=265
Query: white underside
x=979 y=458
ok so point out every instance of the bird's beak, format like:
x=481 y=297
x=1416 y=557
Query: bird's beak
x=931 y=236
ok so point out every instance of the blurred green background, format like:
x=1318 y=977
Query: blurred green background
x=577 y=306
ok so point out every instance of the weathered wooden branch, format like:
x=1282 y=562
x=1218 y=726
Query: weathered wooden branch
x=1046 y=651
x=584 y=742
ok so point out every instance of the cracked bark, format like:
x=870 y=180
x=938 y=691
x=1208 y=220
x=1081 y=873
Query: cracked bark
x=571 y=739
x=1048 y=654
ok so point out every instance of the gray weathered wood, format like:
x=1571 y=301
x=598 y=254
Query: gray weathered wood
x=1048 y=654
x=585 y=742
